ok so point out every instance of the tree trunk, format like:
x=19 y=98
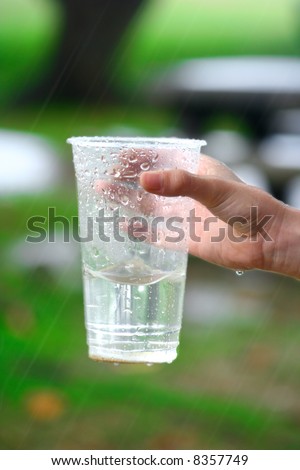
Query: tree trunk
x=92 y=31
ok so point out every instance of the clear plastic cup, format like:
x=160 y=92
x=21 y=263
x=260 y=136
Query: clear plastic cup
x=134 y=246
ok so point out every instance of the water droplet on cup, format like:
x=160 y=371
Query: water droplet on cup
x=145 y=166
x=116 y=173
x=124 y=199
x=130 y=174
x=132 y=158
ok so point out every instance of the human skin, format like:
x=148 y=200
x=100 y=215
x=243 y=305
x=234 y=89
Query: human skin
x=219 y=193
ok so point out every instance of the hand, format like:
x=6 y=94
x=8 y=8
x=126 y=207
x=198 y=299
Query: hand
x=242 y=227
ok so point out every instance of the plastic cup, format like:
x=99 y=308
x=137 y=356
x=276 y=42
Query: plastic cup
x=134 y=246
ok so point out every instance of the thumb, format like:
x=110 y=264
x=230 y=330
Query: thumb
x=226 y=199
x=211 y=191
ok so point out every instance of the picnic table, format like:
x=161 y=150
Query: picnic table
x=254 y=88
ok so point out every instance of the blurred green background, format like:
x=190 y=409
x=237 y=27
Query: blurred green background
x=79 y=68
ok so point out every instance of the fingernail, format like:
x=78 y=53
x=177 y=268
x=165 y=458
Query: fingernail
x=152 y=181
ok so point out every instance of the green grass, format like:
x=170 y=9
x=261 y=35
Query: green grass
x=176 y=405
x=135 y=406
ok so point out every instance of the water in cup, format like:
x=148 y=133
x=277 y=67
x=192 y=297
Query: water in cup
x=134 y=312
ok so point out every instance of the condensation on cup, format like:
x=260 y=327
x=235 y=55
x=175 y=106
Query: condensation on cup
x=134 y=246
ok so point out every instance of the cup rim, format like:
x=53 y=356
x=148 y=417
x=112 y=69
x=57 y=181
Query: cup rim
x=110 y=141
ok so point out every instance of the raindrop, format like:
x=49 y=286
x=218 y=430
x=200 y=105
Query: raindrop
x=145 y=166
x=116 y=364
x=239 y=272
x=155 y=158
x=149 y=364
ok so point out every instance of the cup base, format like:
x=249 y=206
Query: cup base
x=150 y=344
x=132 y=357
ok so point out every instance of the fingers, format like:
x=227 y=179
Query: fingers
x=227 y=199
x=209 y=191
x=179 y=182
